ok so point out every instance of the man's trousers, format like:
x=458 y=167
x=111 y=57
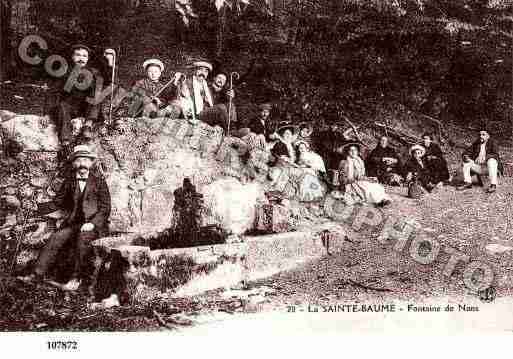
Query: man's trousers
x=81 y=250
x=72 y=109
x=490 y=168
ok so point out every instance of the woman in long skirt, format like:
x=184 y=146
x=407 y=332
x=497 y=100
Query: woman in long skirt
x=358 y=188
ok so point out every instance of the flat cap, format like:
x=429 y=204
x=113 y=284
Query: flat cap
x=81 y=46
x=265 y=106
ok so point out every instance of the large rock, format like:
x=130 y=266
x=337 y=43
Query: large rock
x=34 y=133
x=232 y=205
x=145 y=164
x=497 y=248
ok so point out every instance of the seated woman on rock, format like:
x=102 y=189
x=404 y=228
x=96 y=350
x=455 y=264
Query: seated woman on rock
x=284 y=151
x=416 y=168
x=312 y=175
x=383 y=162
x=435 y=160
x=310 y=160
x=358 y=189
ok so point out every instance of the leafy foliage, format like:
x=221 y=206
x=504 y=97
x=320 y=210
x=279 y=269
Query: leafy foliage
x=447 y=59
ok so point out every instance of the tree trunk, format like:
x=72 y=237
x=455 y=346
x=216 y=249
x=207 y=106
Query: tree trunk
x=221 y=31
x=5 y=24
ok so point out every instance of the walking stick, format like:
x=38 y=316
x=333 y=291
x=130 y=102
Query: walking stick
x=157 y=94
x=113 y=78
x=237 y=76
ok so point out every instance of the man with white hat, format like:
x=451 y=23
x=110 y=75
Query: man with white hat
x=480 y=158
x=416 y=169
x=86 y=198
x=194 y=94
x=209 y=104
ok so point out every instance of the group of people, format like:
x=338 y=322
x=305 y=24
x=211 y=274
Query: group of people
x=425 y=164
x=190 y=97
x=85 y=195
x=425 y=168
x=428 y=166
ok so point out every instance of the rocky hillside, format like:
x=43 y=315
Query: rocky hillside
x=144 y=162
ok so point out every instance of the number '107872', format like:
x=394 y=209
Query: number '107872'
x=62 y=345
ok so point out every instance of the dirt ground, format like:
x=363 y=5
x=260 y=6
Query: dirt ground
x=364 y=271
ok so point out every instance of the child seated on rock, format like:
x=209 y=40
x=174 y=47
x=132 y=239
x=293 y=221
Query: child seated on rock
x=154 y=96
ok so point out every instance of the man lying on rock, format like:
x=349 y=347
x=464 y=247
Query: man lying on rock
x=86 y=198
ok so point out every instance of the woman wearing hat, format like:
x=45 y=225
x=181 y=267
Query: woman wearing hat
x=284 y=150
x=358 y=188
x=309 y=159
x=305 y=133
x=417 y=168
x=311 y=187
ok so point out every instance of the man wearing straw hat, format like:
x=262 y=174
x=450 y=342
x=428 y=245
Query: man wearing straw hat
x=194 y=94
x=416 y=168
x=204 y=102
x=85 y=197
x=157 y=99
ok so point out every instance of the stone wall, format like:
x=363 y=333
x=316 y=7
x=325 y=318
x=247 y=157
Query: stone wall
x=143 y=163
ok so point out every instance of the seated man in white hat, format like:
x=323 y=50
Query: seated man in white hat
x=86 y=198
x=155 y=98
x=200 y=101
x=417 y=169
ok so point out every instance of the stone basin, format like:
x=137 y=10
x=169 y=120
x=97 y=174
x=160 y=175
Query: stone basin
x=194 y=270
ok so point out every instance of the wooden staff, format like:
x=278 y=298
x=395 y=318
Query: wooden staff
x=237 y=76
x=156 y=95
x=113 y=78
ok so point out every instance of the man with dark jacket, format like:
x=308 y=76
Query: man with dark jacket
x=221 y=97
x=383 y=162
x=77 y=99
x=85 y=196
x=262 y=125
x=79 y=86
x=481 y=157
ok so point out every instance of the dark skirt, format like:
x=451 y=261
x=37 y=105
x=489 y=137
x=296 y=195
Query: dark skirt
x=439 y=170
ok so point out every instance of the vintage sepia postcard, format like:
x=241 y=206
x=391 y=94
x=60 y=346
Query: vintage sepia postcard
x=202 y=167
